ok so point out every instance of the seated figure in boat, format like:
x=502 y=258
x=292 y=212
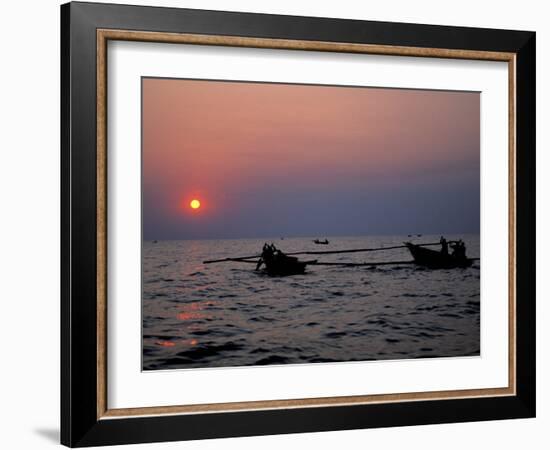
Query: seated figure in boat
x=459 y=250
x=279 y=256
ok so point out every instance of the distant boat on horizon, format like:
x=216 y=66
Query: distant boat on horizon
x=318 y=241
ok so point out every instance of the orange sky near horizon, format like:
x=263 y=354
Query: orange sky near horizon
x=222 y=142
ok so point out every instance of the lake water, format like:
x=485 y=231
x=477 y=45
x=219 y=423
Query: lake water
x=226 y=314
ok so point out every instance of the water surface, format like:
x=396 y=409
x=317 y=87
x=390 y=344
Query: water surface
x=197 y=315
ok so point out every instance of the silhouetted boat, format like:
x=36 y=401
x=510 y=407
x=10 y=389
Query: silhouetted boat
x=317 y=241
x=436 y=259
x=279 y=264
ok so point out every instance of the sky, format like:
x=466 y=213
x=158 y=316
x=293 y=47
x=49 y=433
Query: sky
x=270 y=160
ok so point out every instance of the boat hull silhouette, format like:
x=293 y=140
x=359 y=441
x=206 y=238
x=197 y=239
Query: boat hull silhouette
x=435 y=259
x=280 y=267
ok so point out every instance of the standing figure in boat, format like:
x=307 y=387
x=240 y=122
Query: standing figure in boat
x=444 y=246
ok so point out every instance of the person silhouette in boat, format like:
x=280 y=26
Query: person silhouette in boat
x=267 y=254
x=278 y=255
x=444 y=246
x=459 y=250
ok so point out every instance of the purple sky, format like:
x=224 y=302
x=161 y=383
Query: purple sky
x=269 y=160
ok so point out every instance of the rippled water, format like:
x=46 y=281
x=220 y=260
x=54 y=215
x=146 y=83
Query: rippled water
x=197 y=315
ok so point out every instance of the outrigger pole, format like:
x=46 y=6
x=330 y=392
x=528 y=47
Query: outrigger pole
x=357 y=250
x=326 y=252
x=317 y=263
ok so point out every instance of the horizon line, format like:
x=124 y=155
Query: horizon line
x=278 y=238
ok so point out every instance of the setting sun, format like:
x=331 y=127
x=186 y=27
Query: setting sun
x=195 y=204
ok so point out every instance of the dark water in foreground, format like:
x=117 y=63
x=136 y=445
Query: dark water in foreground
x=197 y=315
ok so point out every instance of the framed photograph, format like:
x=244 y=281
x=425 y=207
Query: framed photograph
x=277 y=224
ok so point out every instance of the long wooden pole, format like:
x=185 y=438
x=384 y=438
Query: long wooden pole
x=357 y=250
x=237 y=259
x=326 y=252
x=342 y=264
x=385 y=263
